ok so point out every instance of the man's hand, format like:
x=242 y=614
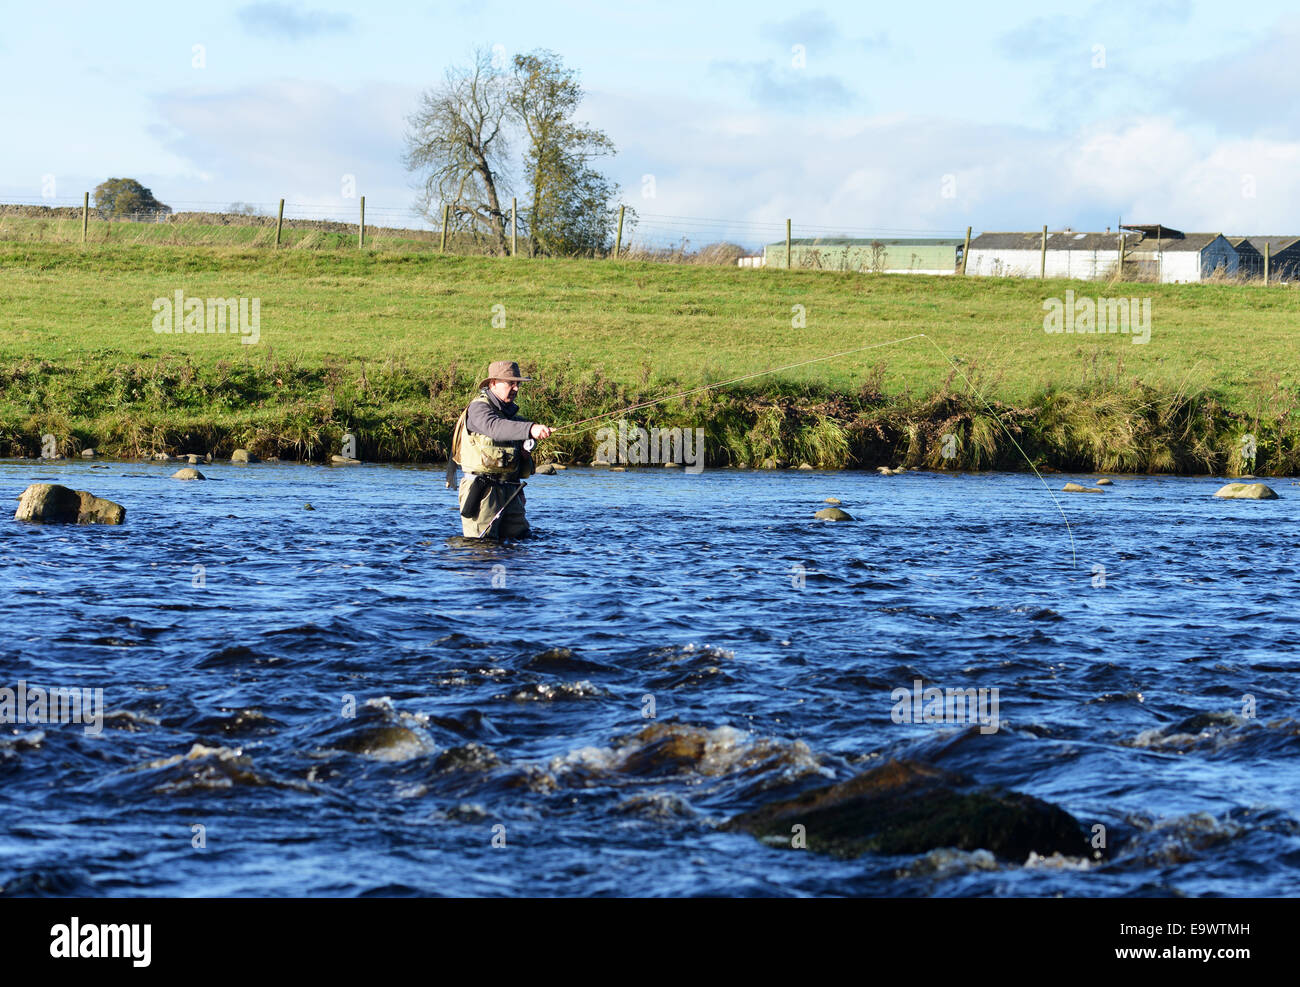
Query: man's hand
x=540 y=431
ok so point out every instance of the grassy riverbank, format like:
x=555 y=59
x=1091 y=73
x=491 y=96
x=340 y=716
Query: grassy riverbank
x=389 y=346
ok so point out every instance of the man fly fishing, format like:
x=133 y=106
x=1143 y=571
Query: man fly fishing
x=493 y=447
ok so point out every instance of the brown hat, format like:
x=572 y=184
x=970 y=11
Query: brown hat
x=503 y=370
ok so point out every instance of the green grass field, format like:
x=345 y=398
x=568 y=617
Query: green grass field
x=390 y=344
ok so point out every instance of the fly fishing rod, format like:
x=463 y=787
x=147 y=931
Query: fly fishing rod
x=520 y=486
x=821 y=359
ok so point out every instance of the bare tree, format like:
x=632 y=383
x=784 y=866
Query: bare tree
x=458 y=139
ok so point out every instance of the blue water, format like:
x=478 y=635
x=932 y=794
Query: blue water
x=351 y=701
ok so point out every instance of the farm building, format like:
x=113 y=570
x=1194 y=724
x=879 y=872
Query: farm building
x=1019 y=255
x=1283 y=256
x=868 y=256
x=1174 y=257
x=1155 y=252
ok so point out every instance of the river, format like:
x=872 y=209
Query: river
x=350 y=700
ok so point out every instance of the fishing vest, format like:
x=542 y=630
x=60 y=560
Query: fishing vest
x=478 y=453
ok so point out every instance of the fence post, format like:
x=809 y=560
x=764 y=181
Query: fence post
x=1121 y=255
x=787 y=244
x=618 y=239
x=514 y=227
x=1042 y=260
x=361 y=228
x=445 y=210
x=965 y=252
x=1266 y=254
x=279 y=222
x=85 y=216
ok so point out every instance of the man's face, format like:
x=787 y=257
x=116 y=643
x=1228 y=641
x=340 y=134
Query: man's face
x=504 y=389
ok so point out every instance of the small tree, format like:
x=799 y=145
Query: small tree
x=120 y=197
x=572 y=210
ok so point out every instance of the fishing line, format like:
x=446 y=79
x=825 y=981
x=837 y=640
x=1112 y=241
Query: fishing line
x=793 y=366
x=733 y=380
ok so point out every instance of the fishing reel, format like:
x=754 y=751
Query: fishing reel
x=528 y=444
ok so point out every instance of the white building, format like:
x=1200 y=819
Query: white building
x=1150 y=253
x=1173 y=257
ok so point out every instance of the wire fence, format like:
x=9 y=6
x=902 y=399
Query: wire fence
x=650 y=236
x=308 y=225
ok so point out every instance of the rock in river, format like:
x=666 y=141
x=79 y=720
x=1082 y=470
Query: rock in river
x=188 y=473
x=1246 y=491
x=243 y=456
x=833 y=514
x=54 y=504
x=1078 y=488
x=546 y=470
x=909 y=807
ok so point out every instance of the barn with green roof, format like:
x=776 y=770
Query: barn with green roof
x=904 y=256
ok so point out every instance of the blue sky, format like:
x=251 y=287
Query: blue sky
x=923 y=117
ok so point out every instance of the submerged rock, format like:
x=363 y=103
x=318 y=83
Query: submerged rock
x=188 y=473
x=908 y=807
x=1246 y=491
x=1103 y=482
x=832 y=500
x=308 y=507
x=344 y=461
x=1079 y=488
x=833 y=514
x=51 y=503
x=671 y=465
x=243 y=456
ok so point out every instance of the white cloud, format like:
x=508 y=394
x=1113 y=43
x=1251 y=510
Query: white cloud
x=871 y=173
x=293 y=139
x=887 y=173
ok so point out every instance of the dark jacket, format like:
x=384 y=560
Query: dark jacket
x=496 y=419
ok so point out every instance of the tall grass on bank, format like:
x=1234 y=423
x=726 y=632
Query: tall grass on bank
x=282 y=407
